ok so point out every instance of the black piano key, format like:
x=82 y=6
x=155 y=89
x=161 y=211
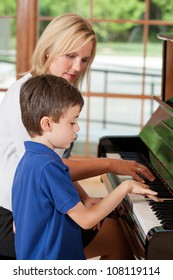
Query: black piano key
x=164 y=203
x=163 y=195
x=162 y=191
x=163 y=211
x=165 y=216
x=167 y=211
x=164 y=206
x=168 y=226
x=168 y=221
x=157 y=185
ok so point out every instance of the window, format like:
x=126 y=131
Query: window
x=126 y=72
x=7 y=45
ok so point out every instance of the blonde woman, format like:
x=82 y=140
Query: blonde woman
x=66 y=49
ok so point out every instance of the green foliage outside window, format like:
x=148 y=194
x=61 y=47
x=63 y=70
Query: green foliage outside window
x=8 y=8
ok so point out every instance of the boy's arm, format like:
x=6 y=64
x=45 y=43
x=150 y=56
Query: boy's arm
x=83 y=195
x=89 y=217
x=82 y=169
x=85 y=198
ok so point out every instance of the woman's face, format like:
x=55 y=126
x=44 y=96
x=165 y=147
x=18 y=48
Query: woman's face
x=72 y=65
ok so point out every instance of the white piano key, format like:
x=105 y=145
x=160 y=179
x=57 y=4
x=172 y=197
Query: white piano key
x=143 y=212
x=141 y=209
x=113 y=155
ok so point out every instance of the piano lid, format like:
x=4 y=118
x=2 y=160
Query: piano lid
x=157 y=135
x=165 y=36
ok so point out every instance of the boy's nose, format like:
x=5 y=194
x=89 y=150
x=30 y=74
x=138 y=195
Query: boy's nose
x=77 y=127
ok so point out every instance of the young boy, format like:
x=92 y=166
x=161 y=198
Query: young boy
x=47 y=209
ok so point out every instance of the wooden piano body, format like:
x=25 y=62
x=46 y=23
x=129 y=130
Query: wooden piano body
x=149 y=237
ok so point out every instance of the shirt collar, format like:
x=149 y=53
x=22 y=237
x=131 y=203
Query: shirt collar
x=39 y=148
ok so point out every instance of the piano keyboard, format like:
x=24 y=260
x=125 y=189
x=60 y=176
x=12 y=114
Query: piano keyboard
x=146 y=212
x=143 y=213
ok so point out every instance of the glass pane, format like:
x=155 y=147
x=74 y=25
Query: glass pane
x=1 y=95
x=8 y=8
x=83 y=121
x=115 y=9
x=78 y=148
x=149 y=107
x=79 y=145
x=42 y=26
x=7 y=52
x=161 y=10
x=111 y=35
x=118 y=65
x=153 y=64
x=122 y=80
x=154 y=30
x=55 y=8
x=112 y=116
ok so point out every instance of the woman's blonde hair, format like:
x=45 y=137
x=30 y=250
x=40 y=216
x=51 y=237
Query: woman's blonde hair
x=63 y=35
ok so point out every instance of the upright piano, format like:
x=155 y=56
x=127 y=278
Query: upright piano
x=148 y=225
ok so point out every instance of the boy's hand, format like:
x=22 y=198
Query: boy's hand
x=142 y=189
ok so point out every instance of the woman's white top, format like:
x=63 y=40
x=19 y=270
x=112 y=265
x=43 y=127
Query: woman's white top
x=12 y=137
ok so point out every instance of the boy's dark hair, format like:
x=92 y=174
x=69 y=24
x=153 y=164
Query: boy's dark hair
x=46 y=95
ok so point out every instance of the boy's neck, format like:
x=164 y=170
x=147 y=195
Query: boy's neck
x=41 y=140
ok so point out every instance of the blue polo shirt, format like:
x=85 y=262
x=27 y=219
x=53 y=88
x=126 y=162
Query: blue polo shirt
x=42 y=194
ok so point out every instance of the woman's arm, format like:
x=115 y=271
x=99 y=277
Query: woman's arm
x=89 y=217
x=86 y=168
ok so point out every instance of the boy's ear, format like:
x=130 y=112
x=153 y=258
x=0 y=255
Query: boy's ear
x=45 y=124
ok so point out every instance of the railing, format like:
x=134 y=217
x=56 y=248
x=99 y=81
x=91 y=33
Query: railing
x=152 y=81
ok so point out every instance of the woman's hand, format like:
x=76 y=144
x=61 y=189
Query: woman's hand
x=82 y=169
x=131 y=168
